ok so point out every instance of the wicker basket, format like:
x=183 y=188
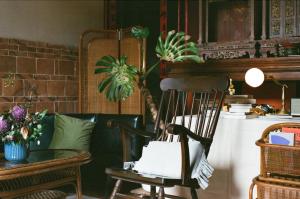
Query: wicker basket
x=279 y=159
x=274 y=189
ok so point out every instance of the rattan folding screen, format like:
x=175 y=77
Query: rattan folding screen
x=93 y=45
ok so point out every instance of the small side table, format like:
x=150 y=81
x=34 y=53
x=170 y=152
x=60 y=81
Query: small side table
x=43 y=170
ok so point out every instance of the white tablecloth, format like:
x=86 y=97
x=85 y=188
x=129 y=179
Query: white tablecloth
x=235 y=158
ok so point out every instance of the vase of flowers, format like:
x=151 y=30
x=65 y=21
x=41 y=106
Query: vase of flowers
x=17 y=129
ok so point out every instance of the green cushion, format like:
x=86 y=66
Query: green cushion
x=71 y=133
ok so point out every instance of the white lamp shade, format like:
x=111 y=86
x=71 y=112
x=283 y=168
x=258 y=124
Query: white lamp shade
x=254 y=77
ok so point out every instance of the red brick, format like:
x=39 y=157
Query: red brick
x=65 y=107
x=4 y=52
x=38 y=87
x=27 y=48
x=47 y=99
x=15 y=90
x=66 y=68
x=76 y=104
x=56 y=107
x=40 y=106
x=56 y=68
x=55 y=46
x=58 y=77
x=56 y=88
x=45 y=66
x=20 y=99
x=24 y=76
x=61 y=99
x=18 y=53
x=45 y=55
x=69 y=77
x=4 y=40
x=4 y=75
x=71 y=88
x=26 y=65
x=6 y=99
x=45 y=50
x=4 y=46
x=7 y=64
x=5 y=106
x=41 y=77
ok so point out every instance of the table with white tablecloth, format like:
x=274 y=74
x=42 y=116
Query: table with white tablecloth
x=235 y=157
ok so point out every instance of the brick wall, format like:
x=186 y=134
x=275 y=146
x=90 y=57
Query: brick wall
x=49 y=71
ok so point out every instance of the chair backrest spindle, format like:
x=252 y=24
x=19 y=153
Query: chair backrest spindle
x=198 y=113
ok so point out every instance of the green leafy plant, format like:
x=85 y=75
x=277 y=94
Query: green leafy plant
x=121 y=77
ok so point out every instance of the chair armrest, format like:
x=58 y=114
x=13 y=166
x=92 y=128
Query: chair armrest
x=129 y=129
x=125 y=131
x=176 y=129
x=184 y=133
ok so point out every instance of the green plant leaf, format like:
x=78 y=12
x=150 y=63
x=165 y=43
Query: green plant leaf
x=139 y=32
x=106 y=61
x=104 y=83
x=119 y=79
x=102 y=70
x=176 y=48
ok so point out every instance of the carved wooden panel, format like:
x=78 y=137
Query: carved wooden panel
x=283 y=18
x=228 y=21
x=283 y=68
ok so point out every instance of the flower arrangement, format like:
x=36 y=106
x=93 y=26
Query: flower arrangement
x=18 y=126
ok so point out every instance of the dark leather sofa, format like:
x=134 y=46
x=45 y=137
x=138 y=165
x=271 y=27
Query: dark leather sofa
x=105 y=148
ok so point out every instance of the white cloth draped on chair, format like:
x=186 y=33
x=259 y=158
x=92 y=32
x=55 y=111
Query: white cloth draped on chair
x=164 y=159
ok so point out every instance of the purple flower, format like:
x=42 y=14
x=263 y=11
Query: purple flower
x=18 y=113
x=4 y=125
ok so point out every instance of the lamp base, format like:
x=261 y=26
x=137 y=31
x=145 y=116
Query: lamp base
x=282 y=111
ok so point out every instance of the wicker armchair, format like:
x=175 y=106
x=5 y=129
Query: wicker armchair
x=279 y=167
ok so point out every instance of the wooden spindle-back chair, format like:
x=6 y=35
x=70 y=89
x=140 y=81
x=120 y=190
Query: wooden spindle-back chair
x=189 y=108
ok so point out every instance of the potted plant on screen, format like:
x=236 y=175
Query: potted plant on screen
x=17 y=129
x=121 y=77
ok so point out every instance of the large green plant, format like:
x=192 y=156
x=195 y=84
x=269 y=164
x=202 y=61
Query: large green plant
x=122 y=77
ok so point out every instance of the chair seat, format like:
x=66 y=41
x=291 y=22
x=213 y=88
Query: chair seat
x=149 y=179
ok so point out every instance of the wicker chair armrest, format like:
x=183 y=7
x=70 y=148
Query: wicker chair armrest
x=251 y=188
x=274 y=127
x=129 y=129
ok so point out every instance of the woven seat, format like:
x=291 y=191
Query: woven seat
x=47 y=194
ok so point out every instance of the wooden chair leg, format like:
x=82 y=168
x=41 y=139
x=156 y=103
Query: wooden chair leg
x=78 y=184
x=161 y=193
x=116 y=189
x=194 y=193
x=152 y=192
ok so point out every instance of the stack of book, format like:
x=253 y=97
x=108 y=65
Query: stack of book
x=242 y=111
x=239 y=99
x=239 y=106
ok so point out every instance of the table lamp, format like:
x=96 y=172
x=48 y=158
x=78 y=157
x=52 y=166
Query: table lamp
x=254 y=77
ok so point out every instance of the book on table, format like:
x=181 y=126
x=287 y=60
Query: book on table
x=281 y=138
x=296 y=131
x=241 y=115
x=240 y=108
